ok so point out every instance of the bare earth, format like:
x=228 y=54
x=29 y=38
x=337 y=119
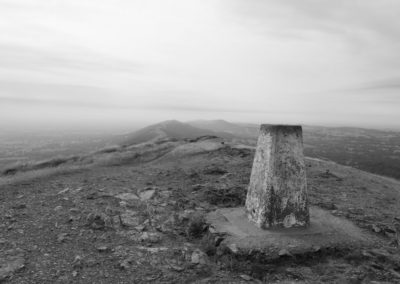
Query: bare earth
x=141 y=221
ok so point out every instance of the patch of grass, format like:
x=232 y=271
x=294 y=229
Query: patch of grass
x=196 y=226
x=110 y=156
x=32 y=166
x=110 y=149
x=208 y=244
x=225 y=196
x=42 y=173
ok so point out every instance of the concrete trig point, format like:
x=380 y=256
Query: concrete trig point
x=277 y=219
x=277 y=194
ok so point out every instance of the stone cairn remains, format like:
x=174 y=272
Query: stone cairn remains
x=277 y=194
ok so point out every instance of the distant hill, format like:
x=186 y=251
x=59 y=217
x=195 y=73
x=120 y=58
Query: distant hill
x=169 y=129
x=236 y=129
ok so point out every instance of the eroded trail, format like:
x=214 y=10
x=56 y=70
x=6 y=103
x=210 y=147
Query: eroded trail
x=142 y=222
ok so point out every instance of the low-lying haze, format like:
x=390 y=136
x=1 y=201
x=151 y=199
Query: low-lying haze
x=97 y=63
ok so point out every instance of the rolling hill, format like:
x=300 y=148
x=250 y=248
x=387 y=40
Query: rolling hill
x=170 y=129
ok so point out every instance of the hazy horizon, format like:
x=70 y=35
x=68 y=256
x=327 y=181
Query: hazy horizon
x=100 y=65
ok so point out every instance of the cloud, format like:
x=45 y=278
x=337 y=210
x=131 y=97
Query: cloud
x=239 y=58
x=341 y=17
x=388 y=84
x=16 y=56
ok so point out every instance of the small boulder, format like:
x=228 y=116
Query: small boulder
x=198 y=257
x=147 y=194
x=127 y=196
x=375 y=228
x=103 y=248
x=197 y=187
x=150 y=237
x=78 y=262
x=130 y=218
x=11 y=262
x=245 y=277
x=19 y=206
x=62 y=237
x=284 y=252
x=98 y=221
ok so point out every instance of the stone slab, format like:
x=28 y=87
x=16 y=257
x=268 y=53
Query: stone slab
x=324 y=232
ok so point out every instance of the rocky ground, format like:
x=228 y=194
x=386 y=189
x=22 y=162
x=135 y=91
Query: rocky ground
x=143 y=222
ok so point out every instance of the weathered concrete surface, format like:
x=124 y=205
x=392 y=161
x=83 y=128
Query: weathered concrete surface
x=277 y=194
x=325 y=231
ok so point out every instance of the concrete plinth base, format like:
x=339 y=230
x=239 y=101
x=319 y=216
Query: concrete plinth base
x=324 y=232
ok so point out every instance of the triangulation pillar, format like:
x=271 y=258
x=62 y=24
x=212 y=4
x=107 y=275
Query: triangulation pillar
x=277 y=194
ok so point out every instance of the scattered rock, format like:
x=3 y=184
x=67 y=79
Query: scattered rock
x=150 y=237
x=395 y=273
x=376 y=229
x=198 y=257
x=197 y=187
x=64 y=190
x=380 y=253
x=74 y=210
x=356 y=211
x=58 y=208
x=168 y=225
x=127 y=196
x=316 y=248
x=153 y=249
x=175 y=267
x=284 y=252
x=62 y=237
x=12 y=262
x=185 y=215
x=98 y=221
x=233 y=248
x=125 y=264
x=214 y=170
x=19 y=206
x=103 y=249
x=129 y=218
x=194 y=175
x=245 y=277
x=77 y=263
x=389 y=230
x=147 y=194
x=140 y=228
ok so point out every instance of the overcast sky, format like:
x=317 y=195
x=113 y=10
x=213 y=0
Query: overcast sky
x=121 y=62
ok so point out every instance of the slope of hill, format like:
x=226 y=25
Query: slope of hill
x=137 y=217
x=371 y=150
x=238 y=130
